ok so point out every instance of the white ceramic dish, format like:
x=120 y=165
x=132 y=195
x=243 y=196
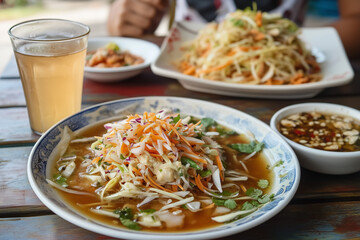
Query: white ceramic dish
x=319 y=160
x=326 y=45
x=147 y=50
x=285 y=182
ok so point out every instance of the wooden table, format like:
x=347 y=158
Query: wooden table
x=324 y=207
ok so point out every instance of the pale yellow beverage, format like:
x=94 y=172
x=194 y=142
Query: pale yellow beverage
x=50 y=55
x=52 y=86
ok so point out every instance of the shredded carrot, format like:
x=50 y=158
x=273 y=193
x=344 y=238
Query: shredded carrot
x=189 y=71
x=95 y=160
x=221 y=168
x=124 y=149
x=194 y=125
x=258 y=19
x=198 y=183
x=216 y=68
x=136 y=171
x=209 y=206
x=110 y=167
x=181 y=187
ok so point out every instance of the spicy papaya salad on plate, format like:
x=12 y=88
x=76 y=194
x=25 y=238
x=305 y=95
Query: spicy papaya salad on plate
x=164 y=170
x=250 y=47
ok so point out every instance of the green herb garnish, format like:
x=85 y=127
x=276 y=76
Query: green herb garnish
x=263 y=183
x=175 y=119
x=61 y=180
x=127 y=218
x=148 y=211
x=254 y=193
x=130 y=224
x=185 y=161
x=251 y=147
x=230 y=203
x=207 y=123
x=204 y=173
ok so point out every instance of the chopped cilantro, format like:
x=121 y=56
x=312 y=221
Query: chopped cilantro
x=263 y=183
x=265 y=198
x=130 y=224
x=251 y=147
x=127 y=218
x=185 y=161
x=254 y=193
x=207 y=122
x=124 y=213
x=247 y=206
x=230 y=203
x=175 y=119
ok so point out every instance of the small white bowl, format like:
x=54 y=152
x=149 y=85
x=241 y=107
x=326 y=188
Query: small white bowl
x=321 y=161
x=147 y=50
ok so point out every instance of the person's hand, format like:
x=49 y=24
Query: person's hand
x=135 y=17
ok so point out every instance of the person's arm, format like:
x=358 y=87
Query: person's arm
x=348 y=26
x=135 y=17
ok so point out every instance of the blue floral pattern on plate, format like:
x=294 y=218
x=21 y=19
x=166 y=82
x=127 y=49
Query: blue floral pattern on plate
x=276 y=149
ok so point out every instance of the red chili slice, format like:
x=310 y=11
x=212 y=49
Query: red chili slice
x=299 y=132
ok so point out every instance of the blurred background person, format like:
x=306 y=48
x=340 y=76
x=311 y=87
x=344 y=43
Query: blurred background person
x=138 y=17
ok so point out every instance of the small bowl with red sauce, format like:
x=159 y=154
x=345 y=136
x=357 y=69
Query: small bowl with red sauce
x=325 y=137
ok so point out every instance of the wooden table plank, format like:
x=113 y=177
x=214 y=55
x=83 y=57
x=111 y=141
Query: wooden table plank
x=15 y=127
x=12 y=93
x=300 y=221
x=16 y=187
x=14 y=184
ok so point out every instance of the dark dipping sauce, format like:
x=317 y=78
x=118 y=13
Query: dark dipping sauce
x=257 y=166
x=324 y=131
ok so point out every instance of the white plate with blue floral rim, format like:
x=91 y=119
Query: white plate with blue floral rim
x=286 y=176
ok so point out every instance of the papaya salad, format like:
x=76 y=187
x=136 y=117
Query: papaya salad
x=250 y=47
x=164 y=171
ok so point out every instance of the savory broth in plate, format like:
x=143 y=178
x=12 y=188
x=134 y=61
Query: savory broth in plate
x=246 y=179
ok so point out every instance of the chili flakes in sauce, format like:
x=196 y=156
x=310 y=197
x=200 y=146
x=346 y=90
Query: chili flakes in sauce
x=322 y=131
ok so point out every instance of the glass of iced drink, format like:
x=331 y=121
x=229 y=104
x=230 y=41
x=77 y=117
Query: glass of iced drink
x=50 y=54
